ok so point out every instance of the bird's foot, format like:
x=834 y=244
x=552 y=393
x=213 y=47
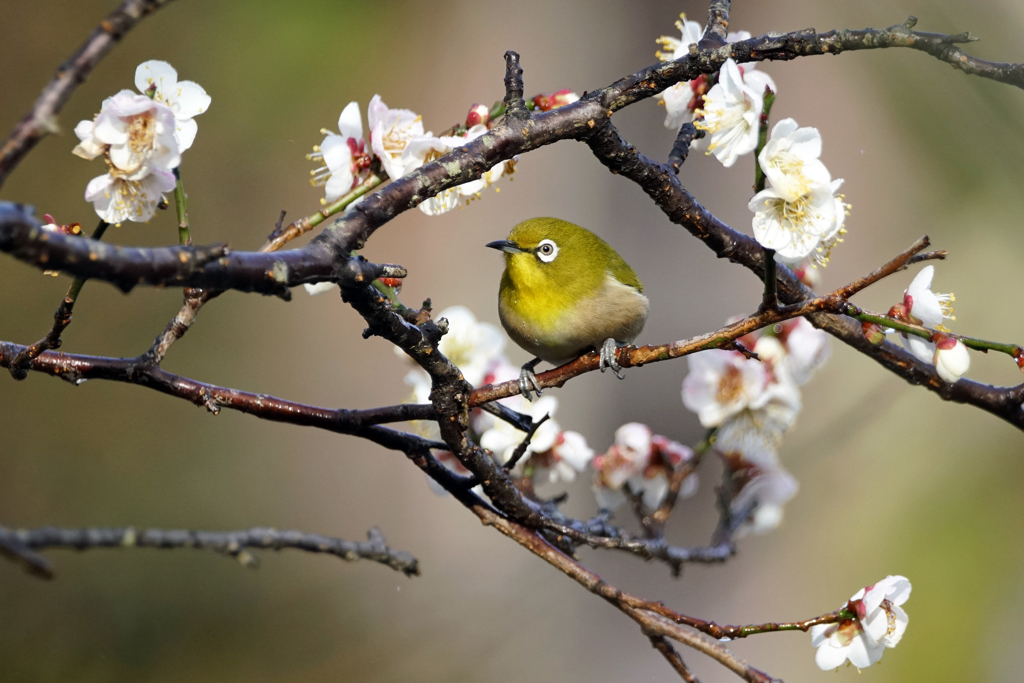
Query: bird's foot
x=608 y=360
x=528 y=380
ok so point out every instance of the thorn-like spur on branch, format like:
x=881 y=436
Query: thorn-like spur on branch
x=520 y=450
x=214 y=267
x=654 y=619
x=233 y=543
x=681 y=149
x=42 y=119
x=515 y=105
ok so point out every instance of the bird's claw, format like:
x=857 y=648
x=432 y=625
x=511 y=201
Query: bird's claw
x=528 y=382
x=608 y=359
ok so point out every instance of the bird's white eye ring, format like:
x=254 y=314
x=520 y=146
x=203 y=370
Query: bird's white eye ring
x=547 y=250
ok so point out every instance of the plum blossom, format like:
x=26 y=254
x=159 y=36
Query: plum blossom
x=342 y=155
x=951 y=358
x=502 y=439
x=391 y=130
x=922 y=306
x=732 y=111
x=475 y=347
x=878 y=623
x=185 y=98
x=135 y=133
x=640 y=462
x=679 y=98
x=790 y=160
x=423 y=149
x=569 y=456
x=118 y=199
x=807 y=349
x=808 y=227
x=925 y=306
x=721 y=384
x=765 y=490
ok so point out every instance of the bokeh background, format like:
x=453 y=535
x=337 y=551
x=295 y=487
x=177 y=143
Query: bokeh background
x=893 y=480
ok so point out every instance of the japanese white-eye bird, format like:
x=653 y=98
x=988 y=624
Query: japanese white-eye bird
x=564 y=292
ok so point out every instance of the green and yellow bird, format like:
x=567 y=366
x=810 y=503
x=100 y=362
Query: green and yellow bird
x=564 y=292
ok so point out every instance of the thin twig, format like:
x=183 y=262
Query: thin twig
x=233 y=543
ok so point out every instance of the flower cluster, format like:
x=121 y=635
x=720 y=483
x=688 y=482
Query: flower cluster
x=477 y=349
x=922 y=306
x=799 y=215
x=877 y=622
x=141 y=136
x=400 y=142
x=750 y=403
x=640 y=463
x=706 y=97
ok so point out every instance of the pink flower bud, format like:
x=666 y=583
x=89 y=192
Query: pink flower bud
x=951 y=357
x=478 y=114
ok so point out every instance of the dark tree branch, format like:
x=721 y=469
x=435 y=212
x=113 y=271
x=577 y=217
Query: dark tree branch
x=16 y=551
x=681 y=149
x=232 y=543
x=42 y=120
x=515 y=105
x=213 y=266
x=717 y=29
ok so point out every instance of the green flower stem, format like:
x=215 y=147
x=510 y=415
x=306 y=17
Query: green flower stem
x=771 y=296
x=76 y=285
x=1013 y=350
x=390 y=294
x=181 y=204
x=830 y=618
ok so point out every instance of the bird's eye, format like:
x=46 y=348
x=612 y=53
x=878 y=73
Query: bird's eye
x=547 y=251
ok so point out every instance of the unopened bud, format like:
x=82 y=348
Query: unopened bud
x=549 y=101
x=951 y=357
x=394 y=283
x=478 y=114
x=899 y=311
x=873 y=332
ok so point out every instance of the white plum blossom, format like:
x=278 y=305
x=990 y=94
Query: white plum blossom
x=951 y=359
x=134 y=132
x=568 y=456
x=925 y=306
x=421 y=150
x=185 y=98
x=732 y=111
x=391 y=130
x=807 y=349
x=922 y=306
x=767 y=490
x=805 y=228
x=678 y=98
x=502 y=439
x=721 y=384
x=475 y=347
x=790 y=160
x=878 y=623
x=341 y=154
x=118 y=199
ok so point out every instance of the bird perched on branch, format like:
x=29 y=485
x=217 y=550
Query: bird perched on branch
x=564 y=292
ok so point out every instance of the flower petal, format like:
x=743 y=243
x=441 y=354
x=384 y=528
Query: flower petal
x=187 y=99
x=155 y=72
x=350 y=123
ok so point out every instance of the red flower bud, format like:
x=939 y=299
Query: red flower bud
x=478 y=114
x=873 y=332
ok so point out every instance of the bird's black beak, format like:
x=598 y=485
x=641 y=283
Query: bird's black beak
x=506 y=246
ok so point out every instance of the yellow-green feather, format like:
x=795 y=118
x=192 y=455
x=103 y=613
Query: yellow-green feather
x=538 y=300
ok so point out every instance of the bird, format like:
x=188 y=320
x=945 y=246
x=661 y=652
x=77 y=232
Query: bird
x=565 y=292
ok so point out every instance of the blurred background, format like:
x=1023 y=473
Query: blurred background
x=893 y=480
